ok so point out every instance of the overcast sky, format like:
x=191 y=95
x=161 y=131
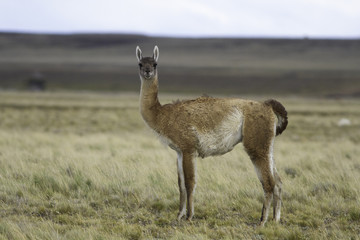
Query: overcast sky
x=194 y=18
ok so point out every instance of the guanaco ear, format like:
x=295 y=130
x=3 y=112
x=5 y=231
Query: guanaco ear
x=156 y=53
x=138 y=53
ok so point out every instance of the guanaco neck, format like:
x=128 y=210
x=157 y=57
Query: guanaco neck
x=149 y=102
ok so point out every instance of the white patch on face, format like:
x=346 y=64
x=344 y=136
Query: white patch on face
x=150 y=75
x=144 y=79
x=222 y=138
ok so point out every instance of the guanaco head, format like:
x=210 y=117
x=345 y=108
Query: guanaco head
x=147 y=65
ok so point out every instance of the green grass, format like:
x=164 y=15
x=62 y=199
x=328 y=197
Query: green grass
x=84 y=166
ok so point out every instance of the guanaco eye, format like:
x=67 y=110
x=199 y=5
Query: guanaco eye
x=155 y=64
x=140 y=65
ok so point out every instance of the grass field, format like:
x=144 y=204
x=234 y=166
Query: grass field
x=84 y=166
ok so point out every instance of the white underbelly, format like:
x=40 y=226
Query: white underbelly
x=223 y=137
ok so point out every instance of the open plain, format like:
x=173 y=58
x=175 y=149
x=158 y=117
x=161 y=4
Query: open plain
x=80 y=165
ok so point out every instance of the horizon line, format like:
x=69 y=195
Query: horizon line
x=183 y=36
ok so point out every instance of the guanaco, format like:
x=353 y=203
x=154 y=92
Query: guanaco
x=209 y=126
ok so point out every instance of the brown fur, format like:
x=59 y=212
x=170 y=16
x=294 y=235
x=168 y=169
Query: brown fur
x=279 y=109
x=185 y=124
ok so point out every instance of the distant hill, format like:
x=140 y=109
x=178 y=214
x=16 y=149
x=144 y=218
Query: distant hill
x=106 y=62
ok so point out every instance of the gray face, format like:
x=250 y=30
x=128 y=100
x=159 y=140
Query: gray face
x=147 y=67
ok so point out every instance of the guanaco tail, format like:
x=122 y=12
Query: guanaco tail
x=209 y=126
